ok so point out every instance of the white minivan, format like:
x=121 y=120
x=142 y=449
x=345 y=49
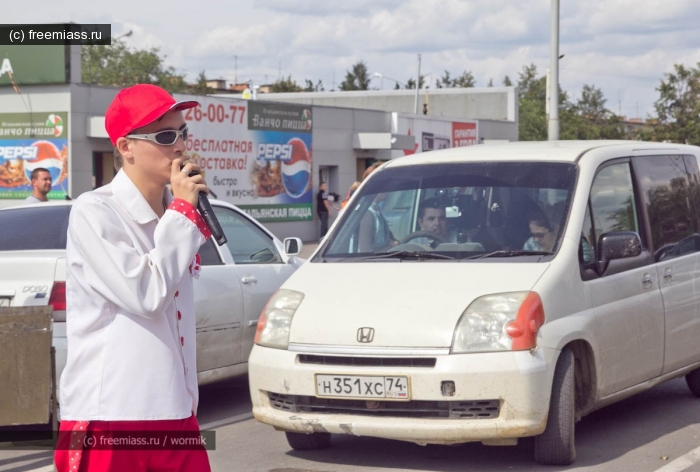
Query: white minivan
x=487 y=294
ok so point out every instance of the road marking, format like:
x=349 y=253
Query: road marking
x=48 y=468
x=227 y=421
x=683 y=462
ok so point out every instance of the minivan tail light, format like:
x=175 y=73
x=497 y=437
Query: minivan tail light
x=523 y=329
x=58 y=296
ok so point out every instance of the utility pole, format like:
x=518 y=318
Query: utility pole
x=619 y=103
x=235 y=66
x=415 y=102
x=553 y=131
x=279 y=74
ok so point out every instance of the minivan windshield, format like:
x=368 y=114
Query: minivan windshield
x=455 y=211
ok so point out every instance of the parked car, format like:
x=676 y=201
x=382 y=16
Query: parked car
x=533 y=300
x=235 y=281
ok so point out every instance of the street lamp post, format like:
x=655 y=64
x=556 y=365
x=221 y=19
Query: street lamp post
x=125 y=35
x=553 y=128
x=415 y=101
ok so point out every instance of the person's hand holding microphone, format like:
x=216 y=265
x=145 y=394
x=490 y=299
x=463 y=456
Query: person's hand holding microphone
x=187 y=183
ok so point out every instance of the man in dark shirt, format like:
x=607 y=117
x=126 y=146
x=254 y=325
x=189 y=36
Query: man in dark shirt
x=323 y=207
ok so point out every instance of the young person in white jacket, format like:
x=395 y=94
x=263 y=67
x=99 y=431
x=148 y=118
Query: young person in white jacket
x=131 y=258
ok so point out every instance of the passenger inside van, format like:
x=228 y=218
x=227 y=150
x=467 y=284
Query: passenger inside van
x=543 y=234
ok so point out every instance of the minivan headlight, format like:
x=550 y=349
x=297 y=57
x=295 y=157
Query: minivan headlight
x=499 y=322
x=276 y=319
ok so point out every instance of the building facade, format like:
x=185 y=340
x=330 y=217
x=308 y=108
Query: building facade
x=265 y=156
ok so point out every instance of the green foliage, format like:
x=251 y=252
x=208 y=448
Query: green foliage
x=532 y=120
x=285 y=85
x=200 y=87
x=586 y=119
x=678 y=108
x=465 y=80
x=357 y=78
x=117 y=65
x=310 y=87
x=589 y=119
x=411 y=83
x=507 y=82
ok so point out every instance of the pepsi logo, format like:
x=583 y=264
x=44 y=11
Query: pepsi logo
x=296 y=172
x=48 y=156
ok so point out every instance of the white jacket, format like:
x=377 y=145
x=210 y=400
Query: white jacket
x=130 y=316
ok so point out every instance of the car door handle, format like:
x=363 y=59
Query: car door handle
x=646 y=280
x=668 y=274
x=249 y=279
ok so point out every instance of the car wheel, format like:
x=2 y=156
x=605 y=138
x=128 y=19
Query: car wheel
x=308 y=442
x=693 y=381
x=556 y=445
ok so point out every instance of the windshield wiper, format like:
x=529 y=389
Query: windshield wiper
x=405 y=255
x=510 y=253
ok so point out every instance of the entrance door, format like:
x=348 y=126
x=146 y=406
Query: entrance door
x=102 y=168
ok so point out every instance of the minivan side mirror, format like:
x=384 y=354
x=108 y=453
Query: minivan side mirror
x=617 y=245
x=292 y=246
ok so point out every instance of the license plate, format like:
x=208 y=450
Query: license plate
x=4 y=301
x=362 y=386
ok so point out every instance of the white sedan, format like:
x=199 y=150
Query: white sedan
x=235 y=282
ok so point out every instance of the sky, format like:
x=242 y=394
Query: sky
x=623 y=47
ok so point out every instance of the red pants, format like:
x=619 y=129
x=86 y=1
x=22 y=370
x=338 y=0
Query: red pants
x=89 y=446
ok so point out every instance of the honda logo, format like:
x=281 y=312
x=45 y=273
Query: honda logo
x=365 y=335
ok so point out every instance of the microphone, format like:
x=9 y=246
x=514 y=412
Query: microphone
x=205 y=209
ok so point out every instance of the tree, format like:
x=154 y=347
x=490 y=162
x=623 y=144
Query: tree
x=310 y=87
x=445 y=81
x=117 y=65
x=532 y=120
x=356 y=79
x=285 y=85
x=411 y=83
x=490 y=84
x=591 y=120
x=507 y=82
x=529 y=83
x=586 y=119
x=200 y=87
x=464 y=80
x=678 y=107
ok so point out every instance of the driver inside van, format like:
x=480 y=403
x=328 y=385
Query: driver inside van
x=432 y=217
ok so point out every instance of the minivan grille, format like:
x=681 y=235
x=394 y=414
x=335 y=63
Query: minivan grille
x=368 y=361
x=459 y=409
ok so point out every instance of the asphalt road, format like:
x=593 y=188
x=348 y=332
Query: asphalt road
x=644 y=433
x=654 y=431
x=658 y=430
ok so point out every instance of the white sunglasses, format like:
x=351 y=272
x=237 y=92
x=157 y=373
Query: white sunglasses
x=166 y=137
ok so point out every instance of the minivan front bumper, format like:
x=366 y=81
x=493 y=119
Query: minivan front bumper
x=520 y=383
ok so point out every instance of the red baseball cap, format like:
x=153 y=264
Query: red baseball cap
x=137 y=106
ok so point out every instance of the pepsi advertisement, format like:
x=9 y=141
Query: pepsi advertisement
x=29 y=141
x=255 y=155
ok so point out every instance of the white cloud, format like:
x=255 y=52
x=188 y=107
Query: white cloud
x=621 y=46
